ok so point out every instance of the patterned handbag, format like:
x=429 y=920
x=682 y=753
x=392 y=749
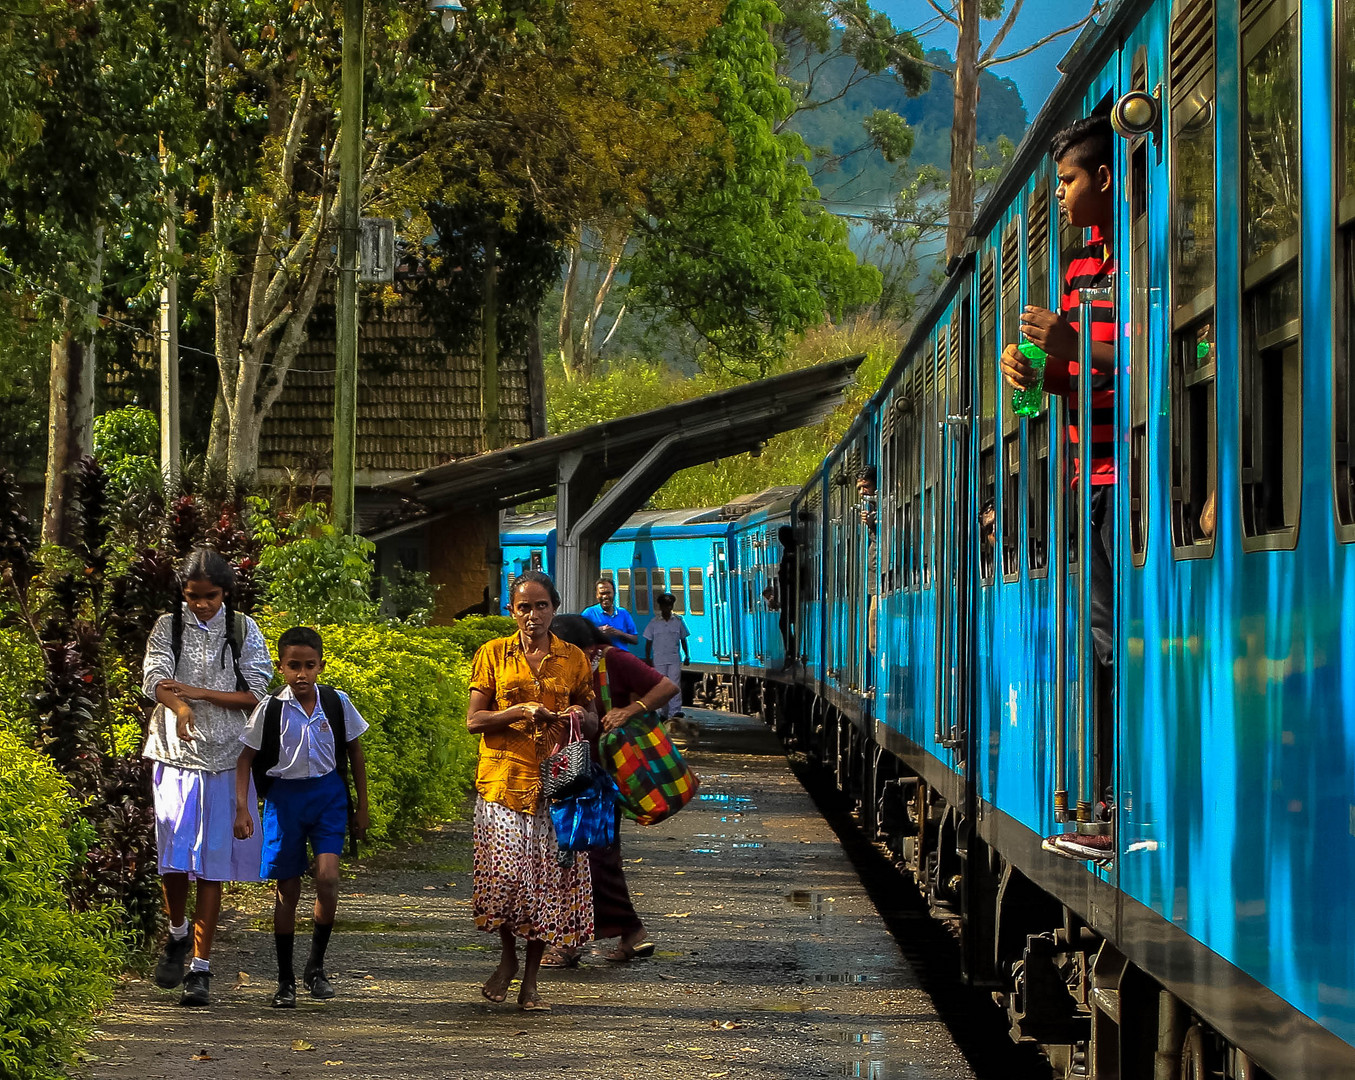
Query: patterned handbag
x=568 y=769
x=652 y=780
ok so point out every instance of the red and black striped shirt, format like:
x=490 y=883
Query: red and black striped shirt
x=1091 y=267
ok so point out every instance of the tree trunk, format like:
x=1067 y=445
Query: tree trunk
x=218 y=438
x=963 y=133
x=536 y=379
x=489 y=344
x=566 y=328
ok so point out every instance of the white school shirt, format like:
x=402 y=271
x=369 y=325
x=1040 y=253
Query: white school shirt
x=666 y=636
x=306 y=748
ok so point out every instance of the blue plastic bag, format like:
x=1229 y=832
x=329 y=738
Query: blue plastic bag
x=586 y=820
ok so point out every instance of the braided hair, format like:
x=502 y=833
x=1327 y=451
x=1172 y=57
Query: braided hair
x=204 y=564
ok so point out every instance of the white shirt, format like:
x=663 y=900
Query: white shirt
x=666 y=636
x=306 y=747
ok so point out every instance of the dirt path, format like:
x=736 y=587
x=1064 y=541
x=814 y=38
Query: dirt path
x=771 y=962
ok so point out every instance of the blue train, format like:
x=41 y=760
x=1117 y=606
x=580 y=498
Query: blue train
x=940 y=661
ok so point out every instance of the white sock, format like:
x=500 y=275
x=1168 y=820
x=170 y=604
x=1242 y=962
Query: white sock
x=178 y=933
x=199 y=964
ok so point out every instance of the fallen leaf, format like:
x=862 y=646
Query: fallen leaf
x=301 y=1044
x=713 y=1075
x=730 y=1025
x=333 y=1062
x=679 y=873
x=519 y=1055
x=429 y=888
x=202 y=1055
x=678 y=915
x=241 y=980
x=520 y=1031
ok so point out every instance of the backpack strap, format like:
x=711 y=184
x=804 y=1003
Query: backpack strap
x=236 y=642
x=335 y=713
x=267 y=755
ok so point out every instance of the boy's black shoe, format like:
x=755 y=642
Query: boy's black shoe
x=173 y=959
x=195 y=988
x=285 y=998
x=317 y=982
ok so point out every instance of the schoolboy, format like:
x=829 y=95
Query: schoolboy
x=299 y=745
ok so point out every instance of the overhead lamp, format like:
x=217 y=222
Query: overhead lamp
x=1135 y=113
x=447 y=11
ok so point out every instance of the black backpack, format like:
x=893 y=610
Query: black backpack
x=267 y=755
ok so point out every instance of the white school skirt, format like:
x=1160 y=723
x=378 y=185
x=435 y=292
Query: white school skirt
x=195 y=825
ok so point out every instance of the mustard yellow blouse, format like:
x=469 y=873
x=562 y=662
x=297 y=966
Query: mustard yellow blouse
x=509 y=769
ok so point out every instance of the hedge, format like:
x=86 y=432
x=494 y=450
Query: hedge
x=56 y=965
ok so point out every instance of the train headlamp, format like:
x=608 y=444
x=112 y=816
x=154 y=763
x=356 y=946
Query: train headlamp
x=1135 y=113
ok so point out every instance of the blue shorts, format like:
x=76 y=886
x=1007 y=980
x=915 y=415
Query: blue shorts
x=294 y=811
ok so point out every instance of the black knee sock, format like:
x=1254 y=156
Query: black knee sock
x=284 y=943
x=319 y=943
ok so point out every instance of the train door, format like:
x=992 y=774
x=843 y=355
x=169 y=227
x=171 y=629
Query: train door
x=953 y=541
x=718 y=591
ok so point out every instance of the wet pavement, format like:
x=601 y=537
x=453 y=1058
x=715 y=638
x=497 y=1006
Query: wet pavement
x=771 y=961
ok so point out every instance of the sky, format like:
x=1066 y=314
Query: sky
x=1035 y=75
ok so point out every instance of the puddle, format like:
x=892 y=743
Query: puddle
x=886 y=1070
x=724 y=798
x=705 y=851
x=810 y=900
x=861 y=1037
x=737 y=846
x=843 y=977
x=730 y=836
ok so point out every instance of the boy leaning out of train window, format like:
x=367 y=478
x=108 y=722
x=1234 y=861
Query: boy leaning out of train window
x=1083 y=159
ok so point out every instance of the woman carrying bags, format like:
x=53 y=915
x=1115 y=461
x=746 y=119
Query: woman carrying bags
x=625 y=687
x=522 y=691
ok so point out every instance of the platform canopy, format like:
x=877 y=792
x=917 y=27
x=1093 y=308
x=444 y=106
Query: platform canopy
x=639 y=452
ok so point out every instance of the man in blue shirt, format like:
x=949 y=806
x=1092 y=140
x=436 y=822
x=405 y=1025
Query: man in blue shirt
x=613 y=621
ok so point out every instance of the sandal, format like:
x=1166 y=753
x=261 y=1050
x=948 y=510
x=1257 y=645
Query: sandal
x=555 y=957
x=623 y=952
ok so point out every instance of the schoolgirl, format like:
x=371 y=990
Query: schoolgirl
x=206 y=666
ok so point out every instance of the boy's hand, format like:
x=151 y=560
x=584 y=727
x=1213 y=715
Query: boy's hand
x=185 y=724
x=362 y=821
x=1016 y=369
x=1053 y=333
x=244 y=824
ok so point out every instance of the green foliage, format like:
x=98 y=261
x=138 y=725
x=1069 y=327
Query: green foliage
x=408 y=595
x=316 y=572
x=623 y=388
x=20 y=661
x=740 y=251
x=127 y=446
x=56 y=965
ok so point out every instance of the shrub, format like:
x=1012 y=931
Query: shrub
x=126 y=446
x=56 y=965
x=316 y=572
x=20 y=663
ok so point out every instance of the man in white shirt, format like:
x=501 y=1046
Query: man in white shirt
x=666 y=648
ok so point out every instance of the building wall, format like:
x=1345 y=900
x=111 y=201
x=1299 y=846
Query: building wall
x=461 y=556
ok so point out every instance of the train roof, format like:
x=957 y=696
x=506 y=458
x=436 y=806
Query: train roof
x=536 y=526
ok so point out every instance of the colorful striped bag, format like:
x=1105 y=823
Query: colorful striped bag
x=651 y=778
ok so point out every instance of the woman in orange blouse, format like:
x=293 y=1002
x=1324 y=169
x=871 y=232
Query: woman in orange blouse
x=522 y=691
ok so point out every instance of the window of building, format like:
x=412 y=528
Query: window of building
x=641 y=591
x=675 y=587
x=1271 y=370
x=987 y=431
x=1011 y=423
x=623 y=588
x=1343 y=441
x=1194 y=455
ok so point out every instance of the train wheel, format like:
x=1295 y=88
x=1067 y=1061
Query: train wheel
x=1199 y=1059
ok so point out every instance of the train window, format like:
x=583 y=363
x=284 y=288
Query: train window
x=1194 y=467
x=696 y=591
x=888 y=497
x=1011 y=423
x=607 y=575
x=641 y=591
x=931 y=444
x=658 y=581
x=1037 y=494
x=1140 y=306
x=1344 y=353
x=675 y=587
x=623 y=588
x=536 y=559
x=1271 y=371
x=987 y=409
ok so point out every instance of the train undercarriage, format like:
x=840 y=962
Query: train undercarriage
x=1063 y=986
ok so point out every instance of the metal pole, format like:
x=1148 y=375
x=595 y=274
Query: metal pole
x=1058 y=449
x=346 y=305
x=169 y=341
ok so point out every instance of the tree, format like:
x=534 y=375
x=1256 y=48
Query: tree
x=972 y=57
x=741 y=251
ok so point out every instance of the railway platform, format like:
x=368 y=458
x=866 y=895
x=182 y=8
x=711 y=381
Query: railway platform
x=772 y=961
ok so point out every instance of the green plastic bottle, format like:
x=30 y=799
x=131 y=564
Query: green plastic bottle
x=1031 y=402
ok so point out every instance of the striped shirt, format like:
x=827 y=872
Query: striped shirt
x=1091 y=267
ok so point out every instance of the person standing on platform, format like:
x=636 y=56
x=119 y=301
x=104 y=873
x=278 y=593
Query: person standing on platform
x=666 y=648
x=613 y=621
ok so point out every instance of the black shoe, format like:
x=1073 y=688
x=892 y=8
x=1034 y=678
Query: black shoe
x=317 y=982
x=195 y=988
x=174 y=958
x=285 y=998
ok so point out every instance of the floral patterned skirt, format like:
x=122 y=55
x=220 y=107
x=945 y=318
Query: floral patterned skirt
x=517 y=882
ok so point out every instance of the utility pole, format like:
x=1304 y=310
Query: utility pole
x=346 y=301
x=489 y=344
x=169 y=339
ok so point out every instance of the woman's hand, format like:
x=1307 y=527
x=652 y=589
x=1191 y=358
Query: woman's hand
x=615 y=718
x=185 y=723
x=184 y=691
